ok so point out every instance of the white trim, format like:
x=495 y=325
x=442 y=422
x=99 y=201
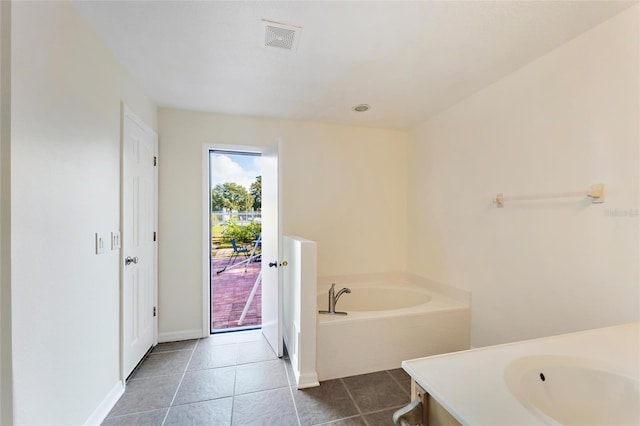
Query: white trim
x=206 y=241
x=280 y=144
x=109 y=401
x=206 y=245
x=128 y=112
x=285 y=338
x=307 y=380
x=175 y=336
x=156 y=225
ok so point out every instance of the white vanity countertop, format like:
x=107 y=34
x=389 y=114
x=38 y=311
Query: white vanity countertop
x=471 y=385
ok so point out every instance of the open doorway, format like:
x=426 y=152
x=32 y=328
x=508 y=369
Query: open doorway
x=235 y=225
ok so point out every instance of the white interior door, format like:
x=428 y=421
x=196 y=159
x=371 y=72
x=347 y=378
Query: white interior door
x=138 y=253
x=271 y=282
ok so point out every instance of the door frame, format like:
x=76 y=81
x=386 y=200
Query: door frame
x=206 y=230
x=128 y=112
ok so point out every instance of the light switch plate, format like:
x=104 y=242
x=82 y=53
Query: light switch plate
x=115 y=241
x=99 y=243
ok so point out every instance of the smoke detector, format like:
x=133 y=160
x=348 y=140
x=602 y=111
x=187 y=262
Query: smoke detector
x=281 y=36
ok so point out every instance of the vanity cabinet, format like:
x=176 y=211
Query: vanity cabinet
x=433 y=413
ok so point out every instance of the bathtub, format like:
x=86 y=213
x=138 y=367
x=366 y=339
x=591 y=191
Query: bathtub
x=389 y=319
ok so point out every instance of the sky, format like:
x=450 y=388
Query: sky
x=237 y=168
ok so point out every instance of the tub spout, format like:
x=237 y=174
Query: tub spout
x=340 y=293
x=333 y=299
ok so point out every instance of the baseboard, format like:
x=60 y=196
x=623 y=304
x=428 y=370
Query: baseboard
x=100 y=413
x=174 y=336
x=308 y=380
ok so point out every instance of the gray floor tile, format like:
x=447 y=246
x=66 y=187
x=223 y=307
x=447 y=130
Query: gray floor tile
x=403 y=378
x=149 y=418
x=214 y=413
x=213 y=356
x=260 y=376
x=184 y=345
x=351 y=421
x=202 y=385
x=375 y=391
x=273 y=407
x=255 y=352
x=382 y=418
x=229 y=338
x=146 y=395
x=329 y=401
x=163 y=364
x=244 y=364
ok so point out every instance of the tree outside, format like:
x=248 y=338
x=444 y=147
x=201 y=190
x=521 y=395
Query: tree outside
x=256 y=192
x=231 y=197
x=236 y=198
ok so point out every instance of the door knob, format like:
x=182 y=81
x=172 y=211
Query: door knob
x=273 y=264
x=129 y=260
x=284 y=263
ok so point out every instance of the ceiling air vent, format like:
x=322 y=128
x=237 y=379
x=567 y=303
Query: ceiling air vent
x=279 y=35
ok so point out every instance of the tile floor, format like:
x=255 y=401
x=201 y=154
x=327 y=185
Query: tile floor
x=235 y=379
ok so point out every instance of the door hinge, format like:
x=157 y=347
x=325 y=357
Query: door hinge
x=155 y=161
x=154 y=311
x=154 y=235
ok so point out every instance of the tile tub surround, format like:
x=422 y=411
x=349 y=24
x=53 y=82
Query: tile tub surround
x=472 y=385
x=235 y=379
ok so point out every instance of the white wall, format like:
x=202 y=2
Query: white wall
x=66 y=94
x=344 y=187
x=562 y=123
x=6 y=380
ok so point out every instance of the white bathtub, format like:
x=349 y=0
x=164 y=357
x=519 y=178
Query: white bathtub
x=389 y=320
x=376 y=298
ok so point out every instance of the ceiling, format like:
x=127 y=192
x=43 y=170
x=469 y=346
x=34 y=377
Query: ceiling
x=408 y=60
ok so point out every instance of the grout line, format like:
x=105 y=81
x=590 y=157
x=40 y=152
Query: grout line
x=331 y=422
x=201 y=400
x=399 y=384
x=180 y=383
x=256 y=362
x=170 y=351
x=397 y=407
x=235 y=380
x=149 y=377
x=262 y=390
x=137 y=367
x=354 y=402
x=295 y=406
x=135 y=413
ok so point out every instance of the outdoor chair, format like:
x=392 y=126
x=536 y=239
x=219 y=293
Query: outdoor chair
x=236 y=251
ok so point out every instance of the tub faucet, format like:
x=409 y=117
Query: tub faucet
x=333 y=299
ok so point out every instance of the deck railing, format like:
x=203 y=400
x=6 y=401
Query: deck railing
x=241 y=218
x=219 y=221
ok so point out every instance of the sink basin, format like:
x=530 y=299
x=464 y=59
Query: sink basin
x=574 y=391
